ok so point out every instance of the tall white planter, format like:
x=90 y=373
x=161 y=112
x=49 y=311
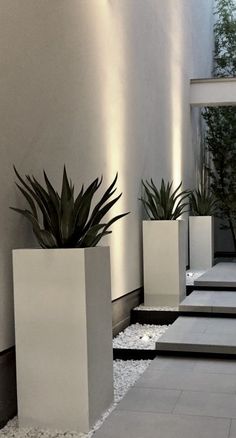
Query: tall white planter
x=201 y=242
x=63 y=327
x=164 y=255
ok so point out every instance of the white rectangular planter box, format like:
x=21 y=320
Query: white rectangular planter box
x=164 y=254
x=201 y=242
x=63 y=327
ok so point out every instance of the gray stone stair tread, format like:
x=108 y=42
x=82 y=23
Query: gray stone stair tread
x=200 y=334
x=209 y=301
x=178 y=398
x=220 y=275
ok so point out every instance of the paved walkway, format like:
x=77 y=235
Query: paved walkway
x=182 y=397
x=178 y=398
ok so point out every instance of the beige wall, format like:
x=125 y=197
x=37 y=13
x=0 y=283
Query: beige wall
x=101 y=86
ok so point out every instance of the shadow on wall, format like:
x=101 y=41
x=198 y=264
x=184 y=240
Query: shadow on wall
x=8 y=400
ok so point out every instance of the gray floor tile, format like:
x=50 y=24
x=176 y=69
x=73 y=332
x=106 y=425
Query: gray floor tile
x=224 y=366
x=223 y=339
x=210 y=301
x=221 y=275
x=199 y=297
x=222 y=297
x=224 y=302
x=206 y=404
x=215 y=335
x=149 y=400
x=179 y=337
x=194 y=324
x=189 y=380
x=219 y=325
x=126 y=424
x=171 y=362
x=197 y=301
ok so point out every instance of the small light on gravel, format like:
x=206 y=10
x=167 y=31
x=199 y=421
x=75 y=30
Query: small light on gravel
x=139 y=336
x=145 y=338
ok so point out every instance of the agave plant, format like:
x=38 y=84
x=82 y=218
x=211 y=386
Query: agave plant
x=164 y=204
x=202 y=202
x=66 y=221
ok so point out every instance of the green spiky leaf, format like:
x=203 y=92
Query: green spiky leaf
x=163 y=203
x=62 y=221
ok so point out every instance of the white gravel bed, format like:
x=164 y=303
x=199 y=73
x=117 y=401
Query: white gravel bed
x=125 y=375
x=139 y=336
x=163 y=308
x=191 y=276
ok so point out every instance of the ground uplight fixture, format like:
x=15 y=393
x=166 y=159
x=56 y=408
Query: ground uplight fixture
x=146 y=338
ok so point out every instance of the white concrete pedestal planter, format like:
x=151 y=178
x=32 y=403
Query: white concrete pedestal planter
x=201 y=242
x=63 y=336
x=164 y=254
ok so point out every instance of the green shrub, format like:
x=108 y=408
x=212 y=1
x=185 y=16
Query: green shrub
x=66 y=221
x=202 y=202
x=164 y=204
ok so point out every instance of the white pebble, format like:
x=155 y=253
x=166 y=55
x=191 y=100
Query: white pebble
x=139 y=336
x=191 y=276
x=157 y=308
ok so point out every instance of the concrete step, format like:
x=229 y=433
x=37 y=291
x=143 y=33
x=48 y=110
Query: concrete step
x=200 y=301
x=221 y=275
x=197 y=334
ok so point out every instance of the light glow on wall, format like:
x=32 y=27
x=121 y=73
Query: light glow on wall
x=111 y=64
x=176 y=129
x=176 y=86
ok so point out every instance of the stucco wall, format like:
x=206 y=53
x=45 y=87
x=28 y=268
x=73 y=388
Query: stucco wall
x=102 y=86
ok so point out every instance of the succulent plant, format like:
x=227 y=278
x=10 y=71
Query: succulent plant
x=66 y=221
x=202 y=202
x=164 y=204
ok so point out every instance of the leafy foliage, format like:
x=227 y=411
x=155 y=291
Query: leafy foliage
x=163 y=204
x=67 y=222
x=225 y=41
x=221 y=143
x=221 y=121
x=202 y=202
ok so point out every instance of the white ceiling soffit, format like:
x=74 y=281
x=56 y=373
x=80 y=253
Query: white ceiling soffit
x=213 y=92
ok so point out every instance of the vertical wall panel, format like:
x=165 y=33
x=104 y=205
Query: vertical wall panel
x=102 y=86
